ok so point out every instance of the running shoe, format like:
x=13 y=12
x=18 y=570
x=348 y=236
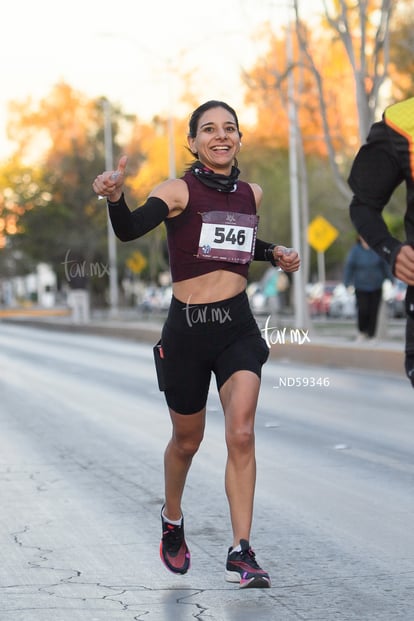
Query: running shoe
x=174 y=552
x=242 y=567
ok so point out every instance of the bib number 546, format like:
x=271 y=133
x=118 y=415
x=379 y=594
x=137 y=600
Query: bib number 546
x=221 y=237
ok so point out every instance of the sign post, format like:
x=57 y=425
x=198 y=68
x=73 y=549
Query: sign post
x=321 y=234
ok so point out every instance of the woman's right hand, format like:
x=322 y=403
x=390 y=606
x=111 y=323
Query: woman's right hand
x=109 y=184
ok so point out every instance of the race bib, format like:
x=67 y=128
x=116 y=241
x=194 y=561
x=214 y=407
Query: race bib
x=227 y=236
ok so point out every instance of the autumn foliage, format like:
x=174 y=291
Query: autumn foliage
x=47 y=204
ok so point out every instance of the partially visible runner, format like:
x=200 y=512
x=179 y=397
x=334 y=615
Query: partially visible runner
x=211 y=221
x=380 y=166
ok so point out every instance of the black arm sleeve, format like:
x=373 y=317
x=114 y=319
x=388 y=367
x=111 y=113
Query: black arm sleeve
x=129 y=225
x=375 y=174
x=263 y=251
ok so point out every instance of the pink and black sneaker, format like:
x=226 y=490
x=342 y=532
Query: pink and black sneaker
x=242 y=567
x=174 y=552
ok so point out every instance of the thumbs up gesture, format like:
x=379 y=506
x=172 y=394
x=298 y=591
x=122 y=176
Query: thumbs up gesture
x=109 y=184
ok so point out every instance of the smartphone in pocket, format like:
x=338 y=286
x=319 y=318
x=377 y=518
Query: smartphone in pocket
x=159 y=364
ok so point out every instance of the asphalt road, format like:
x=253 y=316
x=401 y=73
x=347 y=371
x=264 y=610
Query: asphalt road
x=83 y=429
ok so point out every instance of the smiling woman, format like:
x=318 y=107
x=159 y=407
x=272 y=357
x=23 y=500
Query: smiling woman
x=211 y=220
x=213 y=140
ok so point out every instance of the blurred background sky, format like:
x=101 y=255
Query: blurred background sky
x=135 y=53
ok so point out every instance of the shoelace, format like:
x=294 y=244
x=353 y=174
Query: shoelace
x=173 y=535
x=252 y=557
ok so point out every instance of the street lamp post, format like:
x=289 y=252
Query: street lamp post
x=300 y=310
x=301 y=315
x=112 y=253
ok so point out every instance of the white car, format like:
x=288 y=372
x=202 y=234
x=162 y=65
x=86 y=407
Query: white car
x=343 y=302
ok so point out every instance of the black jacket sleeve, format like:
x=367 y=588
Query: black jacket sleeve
x=375 y=174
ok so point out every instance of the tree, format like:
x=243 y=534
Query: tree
x=61 y=149
x=363 y=30
x=269 y=89
x=337 y=73
x=402 y=52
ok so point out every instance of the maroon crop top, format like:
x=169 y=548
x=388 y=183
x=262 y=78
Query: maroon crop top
x=183 y=231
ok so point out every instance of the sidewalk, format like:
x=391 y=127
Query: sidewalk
x=332 y=343
x=327 y=342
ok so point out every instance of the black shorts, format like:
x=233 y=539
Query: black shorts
x=198 y=339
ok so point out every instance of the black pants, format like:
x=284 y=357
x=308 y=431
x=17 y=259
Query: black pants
x=368 y=303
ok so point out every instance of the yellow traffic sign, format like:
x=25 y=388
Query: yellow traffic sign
x=136 y=262
x=321 y=234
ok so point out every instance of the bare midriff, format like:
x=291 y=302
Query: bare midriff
x=211 y=287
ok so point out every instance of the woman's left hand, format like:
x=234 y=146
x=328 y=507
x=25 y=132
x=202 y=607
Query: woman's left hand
x=286 y=258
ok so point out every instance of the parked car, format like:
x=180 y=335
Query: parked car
x=396 y=299
x=343 y=302
x=155 y=299
x=319 y=297
x=257 y=297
